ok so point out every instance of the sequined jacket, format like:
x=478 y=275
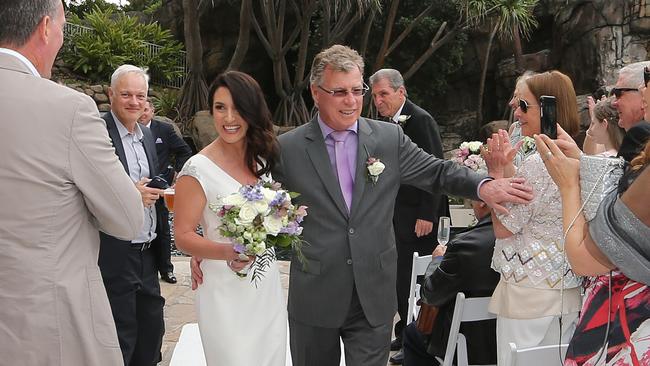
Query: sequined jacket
x=534 y=255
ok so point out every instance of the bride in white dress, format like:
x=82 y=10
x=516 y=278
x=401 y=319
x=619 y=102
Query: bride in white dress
x=240 y=323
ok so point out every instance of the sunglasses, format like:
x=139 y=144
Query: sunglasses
x=646 y=76
x=617 y=92
x=524 y=105
x=342 y=93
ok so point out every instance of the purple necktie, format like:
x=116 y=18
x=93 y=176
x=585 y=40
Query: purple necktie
x=343 y=166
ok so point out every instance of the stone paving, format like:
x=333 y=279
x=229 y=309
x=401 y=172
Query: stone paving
x=179 y=304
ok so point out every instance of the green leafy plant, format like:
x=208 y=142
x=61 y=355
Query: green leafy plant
x=166 y=103
x=114 y=39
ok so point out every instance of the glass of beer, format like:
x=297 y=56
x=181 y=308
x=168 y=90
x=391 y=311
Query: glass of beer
x=169 y=198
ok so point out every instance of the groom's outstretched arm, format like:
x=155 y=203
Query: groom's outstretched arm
x=429 y=173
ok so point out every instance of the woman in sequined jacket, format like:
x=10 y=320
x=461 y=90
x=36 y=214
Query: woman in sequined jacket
x=538 y=296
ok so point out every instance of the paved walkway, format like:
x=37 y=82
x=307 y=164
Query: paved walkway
x=179 y=305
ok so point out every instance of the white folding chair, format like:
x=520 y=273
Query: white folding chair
x=538 y=356
x=466 y=310
x=419 y=268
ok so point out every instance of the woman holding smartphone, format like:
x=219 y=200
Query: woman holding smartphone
x=537 y=287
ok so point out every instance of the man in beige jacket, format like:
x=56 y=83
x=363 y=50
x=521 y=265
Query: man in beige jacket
x=60 y=182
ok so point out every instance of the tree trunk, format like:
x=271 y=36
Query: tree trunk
x=244 y=35
x=519 y=53
x=388 y=31
x=481 y=88
x=194 y=93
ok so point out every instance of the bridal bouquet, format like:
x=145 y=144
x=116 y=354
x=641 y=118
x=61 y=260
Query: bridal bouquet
x=469 y=154
x=259 y=218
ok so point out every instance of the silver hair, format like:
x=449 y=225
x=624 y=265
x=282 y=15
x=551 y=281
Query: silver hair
x=19 y=19
x=631 y=76
x=338 y=58
x=127 y=69
x=394 y=78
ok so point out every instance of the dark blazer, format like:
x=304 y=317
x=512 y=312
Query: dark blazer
x=357 y=248
x=169 y=143
x=112 y=250
x=413 y=203
x=464 y=268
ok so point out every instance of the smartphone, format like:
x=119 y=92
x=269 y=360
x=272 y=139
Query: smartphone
x=158 y=182
x=548 y=114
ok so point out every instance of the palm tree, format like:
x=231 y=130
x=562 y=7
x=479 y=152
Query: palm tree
x=512 y=20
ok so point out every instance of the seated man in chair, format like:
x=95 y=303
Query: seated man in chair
x=465 y=268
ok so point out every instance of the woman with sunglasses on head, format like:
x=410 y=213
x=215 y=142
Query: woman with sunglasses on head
x=614 y=247
x=538 y=297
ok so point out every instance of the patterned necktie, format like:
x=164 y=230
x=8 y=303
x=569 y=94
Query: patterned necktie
x=343 y=166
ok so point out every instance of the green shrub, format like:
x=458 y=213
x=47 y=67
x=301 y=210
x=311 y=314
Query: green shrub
x=166 y=103
x=116 y=39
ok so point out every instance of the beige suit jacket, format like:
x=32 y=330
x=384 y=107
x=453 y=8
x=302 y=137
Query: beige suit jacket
x=60 y=182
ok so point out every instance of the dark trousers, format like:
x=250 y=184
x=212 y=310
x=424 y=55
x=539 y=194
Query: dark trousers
x=134 y=294
x=364 y=344
x=405 y=250
x=415 y=348
x=162 y=245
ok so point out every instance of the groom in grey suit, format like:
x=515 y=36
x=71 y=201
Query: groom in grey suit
x=345 y=289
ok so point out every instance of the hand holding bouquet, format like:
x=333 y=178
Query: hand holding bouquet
x=258 y=218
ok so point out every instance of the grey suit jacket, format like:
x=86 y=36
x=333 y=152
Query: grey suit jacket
x=357 y=249
x=61 y=182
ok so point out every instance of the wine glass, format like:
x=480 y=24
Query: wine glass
x=444 y=228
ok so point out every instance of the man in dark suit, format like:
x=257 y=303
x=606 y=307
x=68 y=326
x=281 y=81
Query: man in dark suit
x=168 y=144
x=129 y=267
x=416 y=211
x=465 y=268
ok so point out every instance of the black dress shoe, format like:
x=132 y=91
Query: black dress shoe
x=398 y=358
x=396 y=344
x=168 y=277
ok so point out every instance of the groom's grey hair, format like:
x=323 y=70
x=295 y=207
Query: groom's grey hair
x=338 y=58
x=19 y=19
x=394 y=77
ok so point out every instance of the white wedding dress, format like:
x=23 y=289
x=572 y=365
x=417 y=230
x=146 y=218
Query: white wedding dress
x=240 y=324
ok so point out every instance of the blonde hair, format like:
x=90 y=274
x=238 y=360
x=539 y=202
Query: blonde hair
x=642 y=159
x=604 y=110
x=338 y=58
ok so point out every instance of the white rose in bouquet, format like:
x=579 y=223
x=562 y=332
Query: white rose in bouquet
x=247 y=213
x=272 y=224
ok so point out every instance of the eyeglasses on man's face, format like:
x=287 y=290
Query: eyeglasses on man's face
x=618 y=92
x=342 y=93
x=524 y=105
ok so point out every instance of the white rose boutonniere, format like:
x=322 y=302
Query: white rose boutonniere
x=375 y=168
x=402 y=118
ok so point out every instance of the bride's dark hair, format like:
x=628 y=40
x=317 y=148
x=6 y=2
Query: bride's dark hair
x=261 y=144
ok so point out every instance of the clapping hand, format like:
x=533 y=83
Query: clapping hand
x=498 y=154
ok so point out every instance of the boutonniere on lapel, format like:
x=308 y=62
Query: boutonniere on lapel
x=374 y=166
x=402 y=118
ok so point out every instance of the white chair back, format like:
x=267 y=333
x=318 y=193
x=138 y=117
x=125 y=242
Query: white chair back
x=466 y=310
x=419 y=268
x=538 y=356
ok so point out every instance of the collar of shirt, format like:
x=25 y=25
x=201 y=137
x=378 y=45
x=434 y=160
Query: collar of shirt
x=399 y=112
x=22 y=59
x=326 y=130
x=123 y=131
x=148 y=124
